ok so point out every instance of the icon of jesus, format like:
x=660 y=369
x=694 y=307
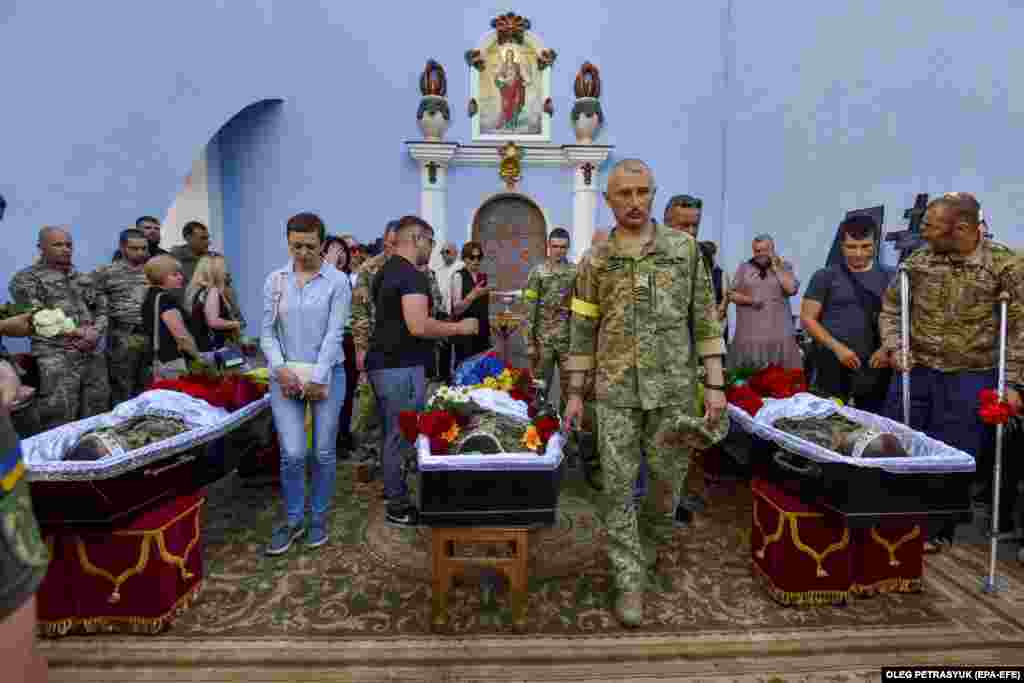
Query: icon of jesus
x=512 y=86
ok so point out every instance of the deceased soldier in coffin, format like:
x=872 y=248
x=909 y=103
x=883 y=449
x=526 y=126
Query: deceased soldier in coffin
x=129 y=435
x=839 y=434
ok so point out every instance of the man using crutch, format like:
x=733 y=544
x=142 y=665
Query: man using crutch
x=954 y=285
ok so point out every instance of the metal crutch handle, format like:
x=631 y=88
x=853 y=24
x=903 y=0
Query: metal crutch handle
x=905 y=339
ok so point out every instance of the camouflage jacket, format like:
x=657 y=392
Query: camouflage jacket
x=954 y=315
x=124 y=288
x=74 y=293
x=362 y=303
x=630 y=321
x=548 y=297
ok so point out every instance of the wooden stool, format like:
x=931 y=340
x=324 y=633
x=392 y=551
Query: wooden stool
x=447 y=565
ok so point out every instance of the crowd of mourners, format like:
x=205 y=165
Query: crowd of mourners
x=353 y=334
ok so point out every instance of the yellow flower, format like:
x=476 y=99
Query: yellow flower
x=451 y=434
x=838 y=401
x=531 y=439
x=491 y=383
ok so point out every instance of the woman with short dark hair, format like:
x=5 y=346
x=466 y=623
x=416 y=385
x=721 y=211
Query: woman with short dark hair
x=471 y=298
x=306 y=306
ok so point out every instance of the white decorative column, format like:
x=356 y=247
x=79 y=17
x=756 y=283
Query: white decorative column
x=433 y=159
x=585 y=162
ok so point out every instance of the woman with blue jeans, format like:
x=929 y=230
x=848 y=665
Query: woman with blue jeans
x=306 y=306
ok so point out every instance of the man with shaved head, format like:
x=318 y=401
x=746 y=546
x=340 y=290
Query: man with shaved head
x=73 y=381
x=955 y=284
x=635 y=294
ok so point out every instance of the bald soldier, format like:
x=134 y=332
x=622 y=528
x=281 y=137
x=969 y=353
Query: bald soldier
x=634 y=296
x=73 y=381
x=955 y=284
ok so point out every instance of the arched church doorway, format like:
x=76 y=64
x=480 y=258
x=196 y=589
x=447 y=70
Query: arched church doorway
x=513 y=232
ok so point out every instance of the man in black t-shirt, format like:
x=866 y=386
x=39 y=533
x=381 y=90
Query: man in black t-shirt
x=840 y=311
x=401 y=348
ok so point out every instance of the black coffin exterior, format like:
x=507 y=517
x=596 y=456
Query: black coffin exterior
x=866 y=496
x=104 y=501
x=493 y=498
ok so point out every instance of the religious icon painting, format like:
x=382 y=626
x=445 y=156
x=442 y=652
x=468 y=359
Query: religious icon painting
x=510 y=80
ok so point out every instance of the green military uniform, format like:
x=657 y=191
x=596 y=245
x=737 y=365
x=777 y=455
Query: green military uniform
x=964 y=336
x=630 y=324
x=72 y=384
x=124 y=287
x=548 y=297
x=362 y=328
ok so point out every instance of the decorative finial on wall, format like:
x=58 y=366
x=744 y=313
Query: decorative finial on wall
x=587 y=116
x=433 y=115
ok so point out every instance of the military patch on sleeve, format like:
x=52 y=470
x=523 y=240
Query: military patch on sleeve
x=20 y=529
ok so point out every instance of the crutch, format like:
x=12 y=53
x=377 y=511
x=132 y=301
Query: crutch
x=991 y=584
x=905 y=340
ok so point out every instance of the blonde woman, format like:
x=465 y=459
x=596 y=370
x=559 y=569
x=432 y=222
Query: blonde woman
x=163 y=320
x=213 y=315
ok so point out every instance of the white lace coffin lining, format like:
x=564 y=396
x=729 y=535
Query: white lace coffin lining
x=43 y=452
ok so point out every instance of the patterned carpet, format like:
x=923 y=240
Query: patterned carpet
x=347 y=602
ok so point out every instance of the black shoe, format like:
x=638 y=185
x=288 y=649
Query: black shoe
x=684 y=517
x=693 y=503
x=401 y=513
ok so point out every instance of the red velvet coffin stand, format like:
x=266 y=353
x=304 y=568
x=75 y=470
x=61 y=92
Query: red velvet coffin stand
x=805 y=554
x=132 y=578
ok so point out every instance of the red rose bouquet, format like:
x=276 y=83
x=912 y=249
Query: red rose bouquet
x=439 y=426
x=991 y=410
x=742 y=396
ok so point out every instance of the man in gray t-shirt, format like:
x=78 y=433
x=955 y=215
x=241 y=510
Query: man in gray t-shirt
x=840 y=312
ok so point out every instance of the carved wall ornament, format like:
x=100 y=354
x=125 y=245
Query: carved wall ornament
x=433 y=80
x=510 y=27
x=432 y=167
x=475 y=59
x=433 y=114
x=472 y=108
x=549 y=107
x=588 y=173
x=546 y=58
x=510 y=168
x=588 y=81
x=587 y=116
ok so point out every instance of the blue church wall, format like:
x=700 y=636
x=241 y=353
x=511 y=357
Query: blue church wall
x=790 y=118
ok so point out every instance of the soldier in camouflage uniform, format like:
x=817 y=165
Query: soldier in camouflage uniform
x=634 y=295
x=548 y=295
x=955 y=283
x=124 y=285
x=73 y=382
x=362 y=326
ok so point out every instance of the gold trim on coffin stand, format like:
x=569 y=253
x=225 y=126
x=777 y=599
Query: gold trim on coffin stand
x=891 y=548
x=792 y=518
x=895 y=584
x=139 y=624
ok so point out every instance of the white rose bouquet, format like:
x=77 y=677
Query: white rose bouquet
x=51 y=322
x=455 y=400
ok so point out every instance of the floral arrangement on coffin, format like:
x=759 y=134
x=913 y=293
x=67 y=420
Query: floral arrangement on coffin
x=453 y=422
x=747 y=387
x=991 y=410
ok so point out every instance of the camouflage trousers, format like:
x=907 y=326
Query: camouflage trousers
x=72 y=386
x=549 y=360
x=125 y=355
x=625 y=434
